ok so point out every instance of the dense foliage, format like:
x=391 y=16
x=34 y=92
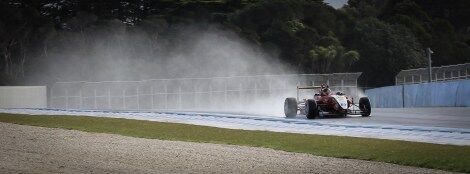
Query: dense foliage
x=377 y=37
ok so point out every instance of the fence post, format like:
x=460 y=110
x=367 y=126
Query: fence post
x=240 y=95
x=240 y=90
x=151 y=97
x=210 y=94
x=428 y=53
x=66 y=99
x=342 y=85
x=466 y=73
x=179 y=98
x=357 y=89
x=94 y=97
x=269 y=88
x=138 y=97
x=256 y=90
x=50 y=95
x=166 y=94
x=195 y=97
x=109 y=98
x=124 y=99
x=225 y=93
x=403 y=95
x=81 y=97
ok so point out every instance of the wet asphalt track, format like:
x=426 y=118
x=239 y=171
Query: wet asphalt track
x=448 y=117
x=433 y=125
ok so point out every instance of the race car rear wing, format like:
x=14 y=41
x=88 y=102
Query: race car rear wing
x=306 y=87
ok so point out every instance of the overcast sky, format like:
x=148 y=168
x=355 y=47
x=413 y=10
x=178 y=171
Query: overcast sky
x=336 y=3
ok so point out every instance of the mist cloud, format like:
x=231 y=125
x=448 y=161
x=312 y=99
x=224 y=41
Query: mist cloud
x=105 y=55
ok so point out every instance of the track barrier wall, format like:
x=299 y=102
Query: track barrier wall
x=239 y=92
x=23 y=97
x=437 y=94
x=386 y=97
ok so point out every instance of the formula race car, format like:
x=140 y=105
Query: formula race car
x=325 y=103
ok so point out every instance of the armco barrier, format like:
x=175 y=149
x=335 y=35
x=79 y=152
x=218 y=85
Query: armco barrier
x=444 y=94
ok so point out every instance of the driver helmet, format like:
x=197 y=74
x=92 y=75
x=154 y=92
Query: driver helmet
x=324 y=88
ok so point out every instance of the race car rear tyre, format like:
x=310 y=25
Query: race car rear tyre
x=364 y=106
x=290 y=107
x=311 y=109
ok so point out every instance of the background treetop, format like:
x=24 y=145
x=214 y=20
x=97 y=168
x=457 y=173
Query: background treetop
x=377 y=37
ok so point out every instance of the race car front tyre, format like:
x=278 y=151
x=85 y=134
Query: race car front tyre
x=311 y=109
x=290 y=107
x=364 y=106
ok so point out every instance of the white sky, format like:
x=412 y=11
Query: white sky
x=336 y=3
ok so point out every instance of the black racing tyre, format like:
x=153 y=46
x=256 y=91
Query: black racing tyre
x=364 y=106
x=311 y=109
x=290 y=107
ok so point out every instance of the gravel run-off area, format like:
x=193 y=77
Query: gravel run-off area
x=28 y=149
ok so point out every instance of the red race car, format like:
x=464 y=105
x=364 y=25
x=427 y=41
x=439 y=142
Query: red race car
x=325 y=103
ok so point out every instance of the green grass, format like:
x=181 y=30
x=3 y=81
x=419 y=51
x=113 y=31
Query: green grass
x=446 y=157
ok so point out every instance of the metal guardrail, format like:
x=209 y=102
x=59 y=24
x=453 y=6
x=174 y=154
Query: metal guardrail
x=443 y=73
x=189 y=93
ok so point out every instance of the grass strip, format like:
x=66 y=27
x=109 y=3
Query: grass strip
x=445 y=157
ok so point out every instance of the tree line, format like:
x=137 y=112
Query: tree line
x=376 y=37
